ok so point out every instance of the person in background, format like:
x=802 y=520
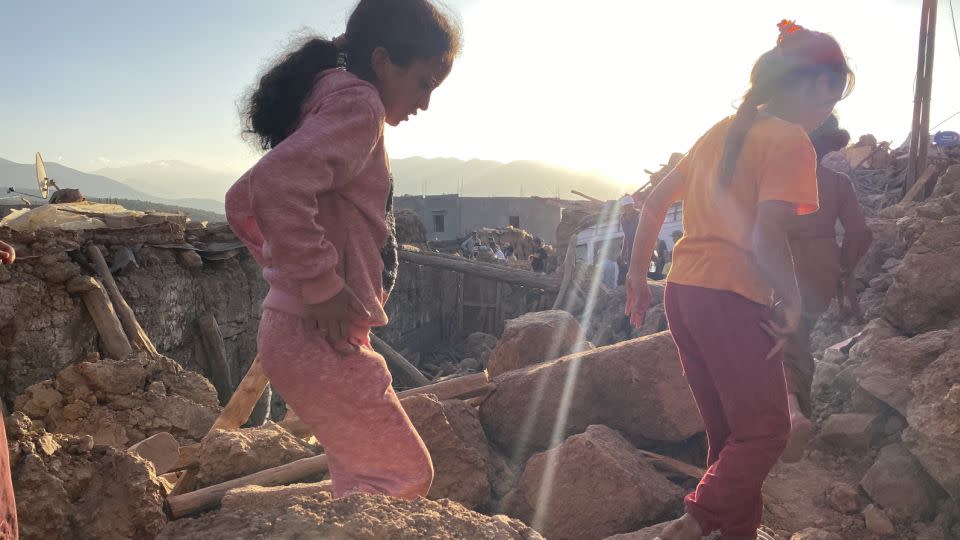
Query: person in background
x=8 y=504
x=538 y=260
x=629 y=219
x=741 y=185
x=824 y=270
x=470 y=245
x=508 y=252
x=497 y=252
x=659 y=261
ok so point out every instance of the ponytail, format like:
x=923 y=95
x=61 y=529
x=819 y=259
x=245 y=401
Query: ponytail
x=737 y=136
x=274 y=108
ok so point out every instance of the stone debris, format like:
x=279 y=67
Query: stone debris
x=305 y=511
x=68 y=487
x=122 y=402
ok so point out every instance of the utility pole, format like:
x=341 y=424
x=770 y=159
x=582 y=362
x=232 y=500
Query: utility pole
x=920 y=130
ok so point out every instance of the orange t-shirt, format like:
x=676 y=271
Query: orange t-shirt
x=777 y=163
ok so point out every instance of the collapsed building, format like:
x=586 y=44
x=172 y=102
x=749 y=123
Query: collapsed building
x=126 y=345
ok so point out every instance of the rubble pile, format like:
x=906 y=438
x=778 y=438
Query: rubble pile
x=68 y=486
x=306 y=511
x=122 y=402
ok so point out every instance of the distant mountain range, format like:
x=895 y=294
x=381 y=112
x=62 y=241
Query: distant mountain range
x=481 y=178
x=182 y=184
x=23 y=177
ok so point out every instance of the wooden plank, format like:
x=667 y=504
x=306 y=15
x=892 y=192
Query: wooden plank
x=115 y=342
x=210 y=497
x=495 y=272
x=138 y=337
x=674 y=465
x=234 y=415
x=216 y=353
x=465 y=387
x=409 y=374
x=920 y=184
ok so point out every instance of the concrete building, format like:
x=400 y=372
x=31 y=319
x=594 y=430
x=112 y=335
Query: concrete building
x=449 y=217
x=590 y=241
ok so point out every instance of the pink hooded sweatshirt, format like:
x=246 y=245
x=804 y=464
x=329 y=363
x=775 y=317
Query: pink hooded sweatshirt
x=312 y=211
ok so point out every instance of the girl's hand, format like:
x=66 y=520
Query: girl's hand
x=334 y=318
x=638 y=297
x=7 y=253
x=790 y=313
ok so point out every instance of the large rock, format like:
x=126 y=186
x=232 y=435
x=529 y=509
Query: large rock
x=925 y=294
x=458 y=448
x=225 y=455
x=534 y=338
x=599 y=485
x=608 y=325
x=852 y=432
x=68 y=488
x=888 y=367
x=898 y=483
x=933 y=432
x=306 y=511
x=122 y=402
x=636 y=387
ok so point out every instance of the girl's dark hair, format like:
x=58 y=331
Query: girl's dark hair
x=409 y=30
x=829 y=137
x=801 y=55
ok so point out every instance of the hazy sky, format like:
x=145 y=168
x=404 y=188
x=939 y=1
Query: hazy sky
x=610 y=86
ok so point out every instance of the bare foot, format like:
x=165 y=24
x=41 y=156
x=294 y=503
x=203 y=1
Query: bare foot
x=685 y=528
x=800 y=431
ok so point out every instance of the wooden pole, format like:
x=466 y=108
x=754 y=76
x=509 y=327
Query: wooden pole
x=569 y=265
x=918 y=138
x=924 y=147
x=115 y=342
x=209 y=497
x=514 y=276
x=135 y=332
x=216 y=354
x=409 y=374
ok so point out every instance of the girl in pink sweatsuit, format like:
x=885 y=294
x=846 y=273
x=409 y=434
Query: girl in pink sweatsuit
x=314 y=212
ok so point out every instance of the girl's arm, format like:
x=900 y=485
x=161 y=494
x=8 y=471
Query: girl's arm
x=654 y=211
x=771 y=246
x=329 y=147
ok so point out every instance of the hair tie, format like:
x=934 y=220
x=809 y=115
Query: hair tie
x=786 y=28
x=340 y=43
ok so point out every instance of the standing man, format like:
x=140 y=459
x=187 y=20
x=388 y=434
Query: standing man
x=824 y=270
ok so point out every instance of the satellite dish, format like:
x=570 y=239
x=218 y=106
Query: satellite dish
x=42 y=181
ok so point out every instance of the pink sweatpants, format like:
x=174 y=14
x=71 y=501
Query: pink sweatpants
x=348 y=403
x=742 y=398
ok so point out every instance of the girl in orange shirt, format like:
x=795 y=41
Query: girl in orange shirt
x=741 y=184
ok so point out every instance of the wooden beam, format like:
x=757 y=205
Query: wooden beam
x=135 y=332
x=514 y=276
x=673 y=465
x=210 y=497
x=465 y=387
x=234 y=415
x=920 y=184
x=409 y=374
x=587 y=197
x=217 y=364
x=114 y=340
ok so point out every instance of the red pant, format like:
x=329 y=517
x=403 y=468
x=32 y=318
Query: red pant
x=8 y=507
x=742 y=397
